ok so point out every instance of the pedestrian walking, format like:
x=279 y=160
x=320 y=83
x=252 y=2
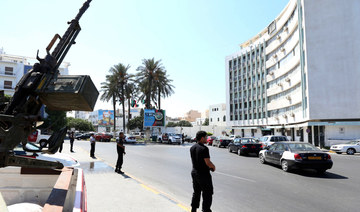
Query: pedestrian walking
x=201 y=177
x=121 y=152
x=72 y=138
x=92 y=143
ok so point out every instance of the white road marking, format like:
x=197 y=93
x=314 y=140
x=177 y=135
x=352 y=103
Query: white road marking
x=240 y=178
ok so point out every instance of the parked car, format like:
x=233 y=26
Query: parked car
x=244 y=146
x=270 y=139
x=221 y=141
x=103 y=137
x=138 y=135
x=292 y=155
x=38 y=138
x=210 y=140
x=350 y=147
x=187 y=138
x=174 y=138
x=65 y=159
x=130 y=138
x=193 y=139
x=83 y=136
x=232 y=137
x=164 y=137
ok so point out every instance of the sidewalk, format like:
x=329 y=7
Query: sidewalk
x=109 y=191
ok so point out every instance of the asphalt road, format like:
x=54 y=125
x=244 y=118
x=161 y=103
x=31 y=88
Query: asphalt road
x=241 y=183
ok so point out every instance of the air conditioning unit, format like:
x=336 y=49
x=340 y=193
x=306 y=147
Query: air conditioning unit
x=278 y=37
x=288 y=97
x=280 y=84
x=287 y=79
x=284 y=115
x=271 y=73
x=292 y=114
x=275 y=56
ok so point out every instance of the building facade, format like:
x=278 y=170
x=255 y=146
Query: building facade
x=298 y=76
x=13 y=67
x=217 y=115
x=192 y=115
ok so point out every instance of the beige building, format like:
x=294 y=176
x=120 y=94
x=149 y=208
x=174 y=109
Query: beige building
x=192 y=115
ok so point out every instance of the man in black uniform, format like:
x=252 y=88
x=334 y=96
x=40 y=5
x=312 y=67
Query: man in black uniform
x=200 y=173
x=121 y=151
x=72 y=138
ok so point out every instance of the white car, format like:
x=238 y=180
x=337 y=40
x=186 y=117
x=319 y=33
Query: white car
x=130 y=138
x=350 y=148
x=65 y=159
x=270 y=139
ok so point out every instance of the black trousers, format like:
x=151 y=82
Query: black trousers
x=120 y=159
x=71 y=144
x=92 y=150
x=202 y=183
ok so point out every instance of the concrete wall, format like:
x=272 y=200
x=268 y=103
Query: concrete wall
x=332 y=58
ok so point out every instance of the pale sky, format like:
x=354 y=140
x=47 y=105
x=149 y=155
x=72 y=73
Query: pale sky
x=191 y=37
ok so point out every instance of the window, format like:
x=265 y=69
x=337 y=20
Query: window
x=8 y=84
x=218 y=119
x=224 y=118
x=9 y=70
x=210 y=119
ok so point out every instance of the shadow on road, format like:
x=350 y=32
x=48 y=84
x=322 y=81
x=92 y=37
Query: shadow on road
x=314 y=174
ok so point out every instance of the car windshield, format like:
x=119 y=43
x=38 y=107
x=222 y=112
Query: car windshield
x=247 y=141
x=302 y=147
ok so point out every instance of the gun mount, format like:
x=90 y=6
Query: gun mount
x=43 y=85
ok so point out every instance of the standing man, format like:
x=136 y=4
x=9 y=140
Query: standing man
x=121 y=152
x=92 y=143
x=72 y=138
x=200 y=173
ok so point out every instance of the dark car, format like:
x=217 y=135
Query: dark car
x=244 y=146
x=221 y=141
x=83 y=136
x=291 y=155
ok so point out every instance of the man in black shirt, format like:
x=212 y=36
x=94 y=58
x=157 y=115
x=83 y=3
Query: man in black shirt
x=200 y=173
x=121 y=151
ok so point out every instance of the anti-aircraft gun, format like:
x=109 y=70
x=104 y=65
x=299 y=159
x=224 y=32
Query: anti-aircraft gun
x=43 y=85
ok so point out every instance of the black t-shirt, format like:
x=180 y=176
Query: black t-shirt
x=198 y=152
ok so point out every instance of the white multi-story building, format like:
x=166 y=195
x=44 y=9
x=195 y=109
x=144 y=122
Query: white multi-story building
x=13 y=67
x=299 y=75
x=217 y=115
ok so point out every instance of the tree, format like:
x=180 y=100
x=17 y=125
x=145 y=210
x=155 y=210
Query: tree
x=145 y=80
x=184 y=123
x=79 y=124
x=137 y=122
x=110 y=91
x=55 y=120
x=162 y=86
x=130 y=93
x=206 y=122
x=115 y=86
x=171 y=124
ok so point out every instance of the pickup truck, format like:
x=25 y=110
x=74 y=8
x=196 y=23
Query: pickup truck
x=169 y=138
x=22 y=188
x=38 y=138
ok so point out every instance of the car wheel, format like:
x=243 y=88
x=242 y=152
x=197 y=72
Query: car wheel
x=218 y=145
x=285 y=165
x=239 y=152
x=350 y=151
x=262 y=159
x=101 y=139
x=230 y=149
x=43 y=143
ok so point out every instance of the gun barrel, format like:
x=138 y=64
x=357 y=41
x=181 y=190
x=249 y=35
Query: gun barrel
x=82 y=9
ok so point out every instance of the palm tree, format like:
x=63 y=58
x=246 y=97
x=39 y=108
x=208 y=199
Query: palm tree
x=110 y=91
x=119 y=72
x=162 y=86
x=145 y=79
x=130 y=93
